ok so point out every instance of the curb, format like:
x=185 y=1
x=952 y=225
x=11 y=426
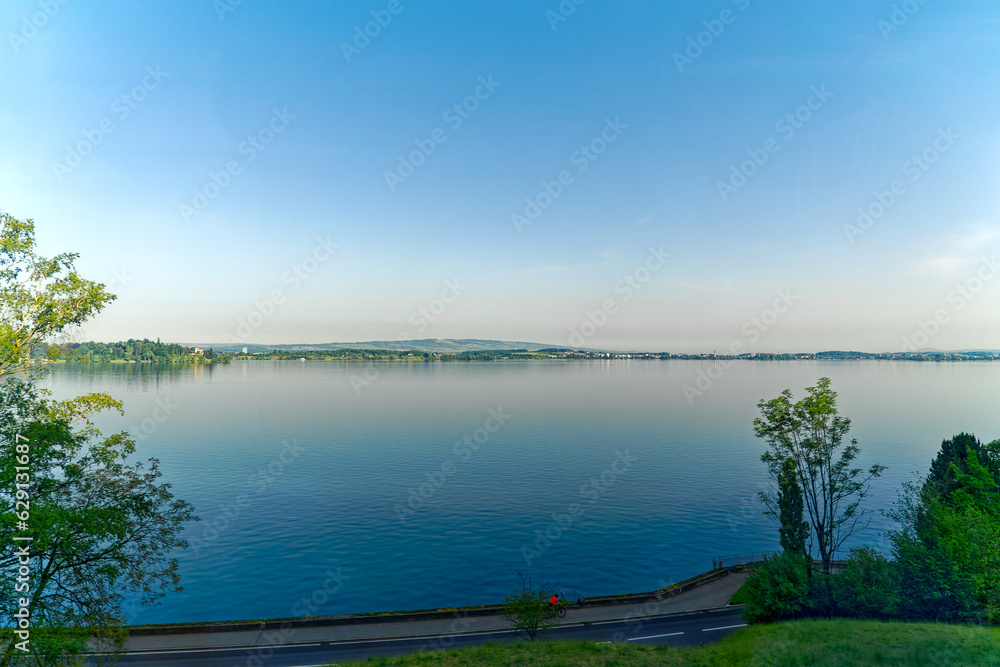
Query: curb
x=314 y=622
x=662 y=594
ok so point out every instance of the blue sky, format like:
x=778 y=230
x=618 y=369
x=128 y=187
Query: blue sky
x=269 y=173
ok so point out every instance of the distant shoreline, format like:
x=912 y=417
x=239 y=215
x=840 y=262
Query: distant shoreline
x=147 y=351
x=505 y=356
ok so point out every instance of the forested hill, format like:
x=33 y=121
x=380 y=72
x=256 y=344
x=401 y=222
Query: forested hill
x=144 y=350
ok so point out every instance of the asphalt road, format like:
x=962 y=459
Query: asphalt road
x=679 y=630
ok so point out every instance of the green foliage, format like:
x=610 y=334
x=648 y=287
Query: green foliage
x=133 y=350
x=793 y=530
x=527 y=608
x=867 y=586
x=947 y=544
x=40 y=297
x=778 y=588
x=101 y=527
x=811 y=433
x=955 y=456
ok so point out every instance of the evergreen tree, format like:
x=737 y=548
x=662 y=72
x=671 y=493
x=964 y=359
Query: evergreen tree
x=794 y=529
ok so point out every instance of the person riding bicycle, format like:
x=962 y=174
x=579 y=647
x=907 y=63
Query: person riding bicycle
x=554 y=601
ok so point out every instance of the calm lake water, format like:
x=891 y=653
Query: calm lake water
x=335 y=487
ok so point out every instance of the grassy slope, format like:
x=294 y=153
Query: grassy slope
x=838 y=642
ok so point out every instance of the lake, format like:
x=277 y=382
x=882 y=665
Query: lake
x=341 y=487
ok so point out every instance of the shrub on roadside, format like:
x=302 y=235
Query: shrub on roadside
x=777 y=589
x=868 y=586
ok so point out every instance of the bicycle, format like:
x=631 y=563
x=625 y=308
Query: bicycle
x=558 y=610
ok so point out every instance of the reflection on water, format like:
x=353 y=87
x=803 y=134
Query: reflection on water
x=413 y=490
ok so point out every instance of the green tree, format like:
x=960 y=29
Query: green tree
x=932 y=585
x=867 y=586
x=793 y=529
x=527 y=608
x=947 y=543
x=99 y=527
x=811 y=433
x=39 y=297
x=953 y=457
x=777 y=589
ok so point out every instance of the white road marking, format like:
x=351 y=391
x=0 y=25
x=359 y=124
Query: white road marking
x=725 y=627
x=669 y=634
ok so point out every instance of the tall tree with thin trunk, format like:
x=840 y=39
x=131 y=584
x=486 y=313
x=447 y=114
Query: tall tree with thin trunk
x=812 y=434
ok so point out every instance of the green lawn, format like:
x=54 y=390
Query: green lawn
x=837 y=642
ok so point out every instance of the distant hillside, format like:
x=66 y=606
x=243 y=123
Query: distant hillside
x=440 y=345
x=459 y=345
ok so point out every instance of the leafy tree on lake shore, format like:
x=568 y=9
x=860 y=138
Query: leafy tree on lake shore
x=811 y=433
x=94 y=526
x=948 y=543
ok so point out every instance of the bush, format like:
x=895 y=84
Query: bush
x=868 y=586
x=527 y=608
x=777 y=589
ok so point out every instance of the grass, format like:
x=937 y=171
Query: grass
x=742 y=596
x=838 y=642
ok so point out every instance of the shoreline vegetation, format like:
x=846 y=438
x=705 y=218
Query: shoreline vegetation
x=147 y=351
x=130 y=351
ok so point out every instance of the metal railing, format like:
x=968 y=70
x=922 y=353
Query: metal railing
x=741 y=559
x=758 y=557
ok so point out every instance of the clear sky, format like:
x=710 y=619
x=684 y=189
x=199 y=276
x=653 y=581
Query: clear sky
x=665 y=176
